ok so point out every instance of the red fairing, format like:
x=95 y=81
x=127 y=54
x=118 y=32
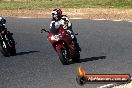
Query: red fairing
x=59 y=46
x=63 y=44
x=64 y=37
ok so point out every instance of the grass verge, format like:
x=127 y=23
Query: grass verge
x=40 y=4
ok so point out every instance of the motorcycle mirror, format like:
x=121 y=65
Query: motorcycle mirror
x=44 y=30
x=11 y=34
x=76 y=34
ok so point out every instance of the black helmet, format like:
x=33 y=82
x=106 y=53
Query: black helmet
x=56 y=14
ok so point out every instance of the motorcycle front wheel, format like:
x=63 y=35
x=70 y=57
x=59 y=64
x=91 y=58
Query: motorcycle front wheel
x=4 y=51
x=63 y=56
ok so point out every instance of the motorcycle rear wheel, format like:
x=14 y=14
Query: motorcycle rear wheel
x=12 y=51
x=77 y=58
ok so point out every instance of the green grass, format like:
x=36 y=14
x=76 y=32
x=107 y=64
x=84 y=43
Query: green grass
x=39 y=4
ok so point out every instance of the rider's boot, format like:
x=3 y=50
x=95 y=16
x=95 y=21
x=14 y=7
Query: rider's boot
x=76 y=44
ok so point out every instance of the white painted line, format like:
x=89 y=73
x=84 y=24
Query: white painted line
x=107 y=86
x=75 y=18
x=17 y=17
x=98 y=19
x=117 y=20
x=130 y=21
x=110 y=85
x=24 y=17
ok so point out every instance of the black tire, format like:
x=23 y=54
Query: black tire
x=81 y=80
x=62 y=58
x=12 y=47
x=77 y=58
x=12 y=51
x=4 y=51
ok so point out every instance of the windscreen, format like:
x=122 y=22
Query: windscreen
x=54 y=30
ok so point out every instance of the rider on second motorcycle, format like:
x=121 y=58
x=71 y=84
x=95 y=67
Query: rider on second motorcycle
x=59 y=19
x=3 y=29
x=2 y=25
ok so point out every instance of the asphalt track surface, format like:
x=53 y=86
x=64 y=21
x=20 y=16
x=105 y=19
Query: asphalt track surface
x=106 y=48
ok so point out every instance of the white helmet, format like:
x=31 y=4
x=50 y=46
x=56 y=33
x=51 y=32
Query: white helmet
x=2 y=20
x=56 y=14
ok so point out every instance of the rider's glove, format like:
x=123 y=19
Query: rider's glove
x=65 y=27
x=69 y=31
x=72 y=36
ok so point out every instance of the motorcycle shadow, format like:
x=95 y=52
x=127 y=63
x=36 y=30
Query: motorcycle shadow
x=28 y=52
x=88 y=59
x=92 y=58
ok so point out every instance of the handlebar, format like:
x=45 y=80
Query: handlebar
x=44 y=30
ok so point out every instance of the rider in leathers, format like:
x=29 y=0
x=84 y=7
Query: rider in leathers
x=59 y=19
x=3 y=29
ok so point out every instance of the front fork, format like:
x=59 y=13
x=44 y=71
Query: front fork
x=3 y=42
x=10 y=42
x=62 y=47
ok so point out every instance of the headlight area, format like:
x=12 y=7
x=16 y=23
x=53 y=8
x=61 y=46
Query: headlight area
x=56 y=37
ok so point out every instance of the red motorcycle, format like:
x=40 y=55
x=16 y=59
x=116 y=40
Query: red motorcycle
x=63 y=44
